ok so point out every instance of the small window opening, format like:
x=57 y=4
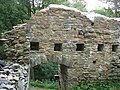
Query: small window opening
x=80 y=32
x=74 y=28
x=92 y=23
x=34 y=45
x=114 y=48
x=80 y=47
x=94 y=62
x=58 y=47
x=100 y=47
x=119 y=57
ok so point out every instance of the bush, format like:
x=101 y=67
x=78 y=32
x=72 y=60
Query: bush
x=98 y=85
x=44 y=71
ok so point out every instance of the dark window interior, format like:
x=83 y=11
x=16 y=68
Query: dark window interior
x=58 y=47
x=79 y=32
x=34 y=45
x=80 y=47
x=100 y=47
x=92 y=23
x=114 y=48
x=94 y=62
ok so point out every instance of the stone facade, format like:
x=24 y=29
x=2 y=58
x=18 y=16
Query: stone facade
x=88 y=48
x=14 y=76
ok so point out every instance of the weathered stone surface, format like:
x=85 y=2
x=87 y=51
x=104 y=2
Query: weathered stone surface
x=14 y=77
x=58 y=24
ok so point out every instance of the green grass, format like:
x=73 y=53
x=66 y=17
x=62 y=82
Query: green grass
x=51 y=85
x=96 y=85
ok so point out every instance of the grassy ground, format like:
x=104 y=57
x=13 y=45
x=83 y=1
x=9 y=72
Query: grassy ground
x=49 y=85
x=36 y=88
x=97 y=85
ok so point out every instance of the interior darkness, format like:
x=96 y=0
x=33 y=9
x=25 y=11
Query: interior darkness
x=34 y=45
x=58 y=47
x=92 y=23
x=114 y=48
x=94 y=62
x=80 y=32
x=100 y=47
x=80 y=47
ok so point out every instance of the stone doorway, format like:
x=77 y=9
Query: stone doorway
x=51 y=72
x=44 y=71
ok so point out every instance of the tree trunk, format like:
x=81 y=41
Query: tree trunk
x=28 y=5
x=33 y=7
x=116 y=7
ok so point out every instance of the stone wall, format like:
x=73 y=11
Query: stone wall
x=13 y=76
x=17 y=53
x=89 y=48
x=16 y=45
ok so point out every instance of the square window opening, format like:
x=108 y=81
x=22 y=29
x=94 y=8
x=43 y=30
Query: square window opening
x=80 y=32
x=100 y=47
x=114 y=48
x=92 y=23
x=34 y=45
x=58 y=47
x=80 y=47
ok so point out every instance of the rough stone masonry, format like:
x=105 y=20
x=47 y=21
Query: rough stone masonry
x=88 y=46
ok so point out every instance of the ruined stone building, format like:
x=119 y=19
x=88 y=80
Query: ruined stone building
x=84 y=48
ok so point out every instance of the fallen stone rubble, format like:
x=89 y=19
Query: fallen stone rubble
x=13 y=76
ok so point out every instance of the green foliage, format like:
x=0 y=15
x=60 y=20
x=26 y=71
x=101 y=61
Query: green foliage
x=12 y=12
x=36 y=83
x=79 y=5
x=45 y=3
x=114 y=5
x=67 y=3
x=96 y=85
x=2 y=53
x=45 y=71
x=45 y=84
x=107 y=12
